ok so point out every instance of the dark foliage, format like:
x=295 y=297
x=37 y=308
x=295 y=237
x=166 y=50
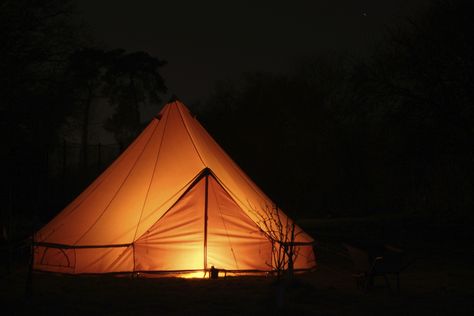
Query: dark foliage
x=340 y=136
x=36 y=37
x=132 y=79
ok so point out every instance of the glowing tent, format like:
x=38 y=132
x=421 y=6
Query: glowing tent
x=173 y=201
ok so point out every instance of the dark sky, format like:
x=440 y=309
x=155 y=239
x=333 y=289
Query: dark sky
x=204 y=41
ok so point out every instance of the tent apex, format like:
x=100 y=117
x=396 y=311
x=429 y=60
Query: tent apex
x=174 y=98
x=169 y=105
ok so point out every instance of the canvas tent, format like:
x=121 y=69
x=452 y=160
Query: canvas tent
x=173 y=201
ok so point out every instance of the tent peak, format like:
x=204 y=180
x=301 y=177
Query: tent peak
x=174 y=98
x=169 y=105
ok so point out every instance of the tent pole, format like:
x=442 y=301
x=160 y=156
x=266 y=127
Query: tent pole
x=205 y=221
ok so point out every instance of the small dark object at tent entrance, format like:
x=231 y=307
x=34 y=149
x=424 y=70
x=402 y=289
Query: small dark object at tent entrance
x=214 y=273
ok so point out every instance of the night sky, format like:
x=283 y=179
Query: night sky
x=206 y=41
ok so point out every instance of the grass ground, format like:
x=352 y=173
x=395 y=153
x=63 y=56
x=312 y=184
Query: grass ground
x=439 y=282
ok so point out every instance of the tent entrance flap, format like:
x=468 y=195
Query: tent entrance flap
x=175 y=241
x=204 y=228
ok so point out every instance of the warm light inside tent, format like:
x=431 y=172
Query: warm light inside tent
x=193 y=275
x=184 y=275
x=193 y=259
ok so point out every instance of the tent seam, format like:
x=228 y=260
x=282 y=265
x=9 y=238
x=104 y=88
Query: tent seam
x=120 y=187
x=187 y=186
x=190 y=137
x=239 y=171
x=152 y=177
x=225 y=226
x=105 y=175
x=235 y=199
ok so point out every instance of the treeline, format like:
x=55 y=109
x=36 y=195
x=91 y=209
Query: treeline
x=340 y=136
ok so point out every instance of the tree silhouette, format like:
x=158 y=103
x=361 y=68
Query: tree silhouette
x=347 y=136
x=36 y=37
x=132 y=80
x=422 y=80
x=86 y=77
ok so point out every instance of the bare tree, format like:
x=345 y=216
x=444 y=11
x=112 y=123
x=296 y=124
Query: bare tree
x=281 y=232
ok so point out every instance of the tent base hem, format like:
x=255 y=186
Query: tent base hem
x=199 y=273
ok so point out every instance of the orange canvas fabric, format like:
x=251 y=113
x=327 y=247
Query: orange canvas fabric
x=234 y=241
x=172 y=201
x=175 y=242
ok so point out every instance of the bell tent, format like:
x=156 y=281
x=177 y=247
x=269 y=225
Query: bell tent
x=172 y=202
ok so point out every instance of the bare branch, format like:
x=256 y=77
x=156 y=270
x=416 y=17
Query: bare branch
x=280 y=230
